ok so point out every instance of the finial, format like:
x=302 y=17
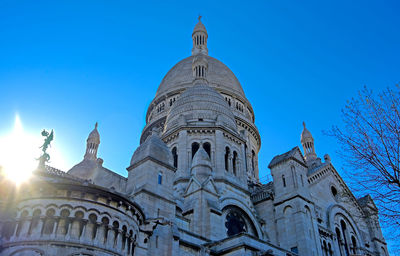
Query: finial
x=304 y=125
x=199 y=17
x=95 y=126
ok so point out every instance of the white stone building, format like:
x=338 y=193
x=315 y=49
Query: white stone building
x=192 y=186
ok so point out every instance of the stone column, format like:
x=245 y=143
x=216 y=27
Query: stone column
x=62 y=228
x=110 y=237
x=76 y=228
x=101 y=233
x=24 y=227
x=36 y=231
x=118 y=240
x=230 y=164
x=89 y=232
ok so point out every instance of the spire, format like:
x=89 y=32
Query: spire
x=92 y=144
x=199 y=37
x=307 y=141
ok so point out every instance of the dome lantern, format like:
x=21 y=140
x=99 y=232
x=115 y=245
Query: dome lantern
x=200 y=67
x=92 y=144
x=199 y=37
x=307 y=141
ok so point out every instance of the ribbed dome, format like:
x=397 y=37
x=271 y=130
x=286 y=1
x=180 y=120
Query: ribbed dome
x=218 y=76
x=200 y=105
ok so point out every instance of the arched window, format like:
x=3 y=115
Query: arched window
x=49 y=222
x=234 y=162
x=227 y=151
x=235 y=223
x=346 y=247
x=330 y=251
x=334 y=191
x=284 y=181
x=207 y=148
x=175 y=156
x=339 y=239
x=253 y=160
x=195 y=147
x=353 y=245
x=160 y=178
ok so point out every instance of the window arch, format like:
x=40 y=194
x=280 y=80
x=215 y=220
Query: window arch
x=339 y=240
x=160 y=178
x=237 y=221
x=175 y=156
x=234 y=162
x=207 y=148
x=195 y=147
x=49 y=222
x=253 y=160
x=343 y=227
x=227 y=152
x=353 y=245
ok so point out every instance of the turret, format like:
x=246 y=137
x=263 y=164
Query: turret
x=92 y=144
x=307 y=141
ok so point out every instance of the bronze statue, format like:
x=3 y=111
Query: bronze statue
x=43 y=159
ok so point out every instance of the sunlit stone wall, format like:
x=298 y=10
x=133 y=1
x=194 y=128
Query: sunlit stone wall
x=60 y=216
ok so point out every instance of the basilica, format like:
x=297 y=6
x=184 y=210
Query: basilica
x=192 y=186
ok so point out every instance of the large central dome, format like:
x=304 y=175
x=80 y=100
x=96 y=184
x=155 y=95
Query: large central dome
x=161 y=114
x=219 y=76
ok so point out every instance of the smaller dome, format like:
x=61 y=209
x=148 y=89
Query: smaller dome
x=94 y=136
x=155 y=148
x=306 y=134
x=199 y=27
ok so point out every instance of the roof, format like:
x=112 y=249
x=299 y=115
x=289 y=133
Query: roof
x=199 y=27
x=181 y=77
x=155 y=148
x=94 y=135
x=286 y=156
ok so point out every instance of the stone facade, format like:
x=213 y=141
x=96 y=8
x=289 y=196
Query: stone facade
x=192 y=187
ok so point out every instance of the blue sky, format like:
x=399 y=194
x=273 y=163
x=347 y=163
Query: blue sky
x=67 y=64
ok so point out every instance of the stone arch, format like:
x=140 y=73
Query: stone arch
x=237 y=221
x=336 y=209
x=82 y=209
x=231 y=201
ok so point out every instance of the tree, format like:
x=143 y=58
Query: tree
x=370 y=148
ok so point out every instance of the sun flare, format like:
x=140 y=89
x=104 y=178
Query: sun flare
x=19 y=151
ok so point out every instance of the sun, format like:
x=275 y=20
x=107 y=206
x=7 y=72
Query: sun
x=19 y=151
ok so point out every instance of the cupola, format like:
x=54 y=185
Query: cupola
x=307 y=141
x=92 y=144
x=199 y=37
